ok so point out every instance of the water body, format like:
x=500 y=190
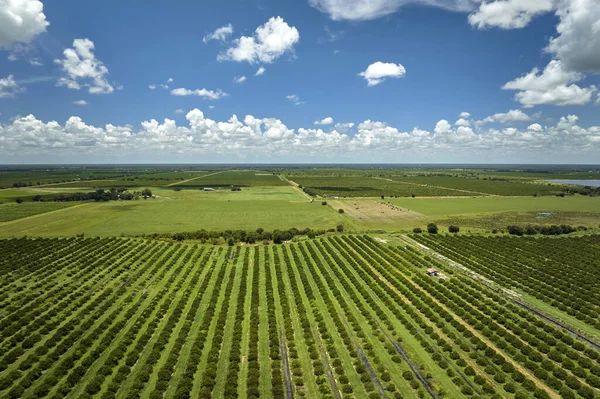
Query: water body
x=591 y=183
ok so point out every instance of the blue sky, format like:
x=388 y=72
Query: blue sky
x=431 y=63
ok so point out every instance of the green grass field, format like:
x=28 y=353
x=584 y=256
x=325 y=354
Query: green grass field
x=14 y=211
x=186 y=210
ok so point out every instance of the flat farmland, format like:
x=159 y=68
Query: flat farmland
x=14 y=211
x=364 y=186
x=219 y=210
x=337 y=317
x=240 y=178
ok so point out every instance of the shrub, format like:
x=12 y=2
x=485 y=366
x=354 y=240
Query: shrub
x=453 y=229
x=340 y=210
x=417 y=230
x=432 y=228
x=324 y=203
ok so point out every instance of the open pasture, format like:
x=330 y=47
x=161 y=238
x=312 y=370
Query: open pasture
x=164 y=215
x=16 y=211
x=337 y=317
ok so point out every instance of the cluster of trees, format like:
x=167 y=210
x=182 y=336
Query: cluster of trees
x=232 y=237
x=552 y=230
x=113 y=194
x=583 y=190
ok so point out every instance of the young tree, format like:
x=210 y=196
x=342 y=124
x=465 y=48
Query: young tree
x=453 y=229
x=340 y=228
x=432 y=228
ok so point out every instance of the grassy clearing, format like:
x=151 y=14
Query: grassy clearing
x=163 y=216
x=9 y=212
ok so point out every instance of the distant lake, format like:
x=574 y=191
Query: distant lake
x=591 y=183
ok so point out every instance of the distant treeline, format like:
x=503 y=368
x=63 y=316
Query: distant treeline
x=232 y=237
x=553 y=230
x=583 y=190
x=114 y=194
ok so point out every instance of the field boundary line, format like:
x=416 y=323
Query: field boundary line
x=296 y=186
x=440 y=187
x=2 y=224
x=193 y=178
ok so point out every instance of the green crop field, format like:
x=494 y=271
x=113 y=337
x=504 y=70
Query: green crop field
x=337 y=317
x=240 y=178
x=364 y=186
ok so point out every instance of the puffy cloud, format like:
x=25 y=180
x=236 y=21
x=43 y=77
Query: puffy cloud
x=179 y=111
x=220 y=34
x=512 y=116
x=509 y=14
x=343 y=127
x=80 y=102
x=555 y=85
x=80 y=64
x=465 y=115
x=358 y=10
x=210 y=94
x=9 y=87
x=578 y=40
x=152 y=87
x=21 y=21
x=377 y=72
x=260 y=71
x=270 y=138
x=442 y=127
x=295 y=99
x=462 y=122
x=239 y=79
x=325 y=121
x=270 y=41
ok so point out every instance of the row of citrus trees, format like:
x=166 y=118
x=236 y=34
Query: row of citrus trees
x=560 y=272
x=342 y=316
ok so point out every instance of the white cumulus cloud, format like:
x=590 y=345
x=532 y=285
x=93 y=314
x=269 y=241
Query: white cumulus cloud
x=512 y=116
x=80 y=102
x=325 y=121
x=509 y=14
x=260 y=71
x=21 y=21
x=270 y=139
x=554 y=85
x=578 y=40
x=220 y=34
x=239 y=79
x=462 y=122
x=465 y=115
x=82 y=68
x=378 y=71
x=358 y=10
x=210 y=94
x=269 y=42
